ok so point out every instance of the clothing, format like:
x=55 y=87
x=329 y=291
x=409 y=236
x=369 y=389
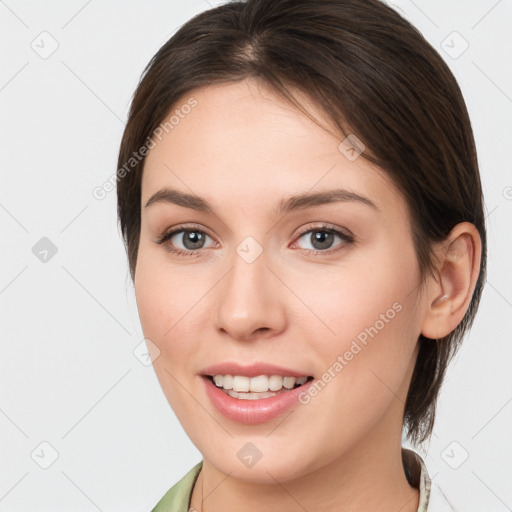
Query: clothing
x=432 y=499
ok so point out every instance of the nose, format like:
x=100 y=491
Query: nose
x=250 y=300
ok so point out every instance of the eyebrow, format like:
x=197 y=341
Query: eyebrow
x=297 y=202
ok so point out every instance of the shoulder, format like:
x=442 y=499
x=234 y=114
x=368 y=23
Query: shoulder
x=438 y=501
x=177 y=498
x=432 y=498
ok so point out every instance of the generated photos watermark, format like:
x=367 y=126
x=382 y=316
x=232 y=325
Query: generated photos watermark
x=101 y=191
x=356 y=346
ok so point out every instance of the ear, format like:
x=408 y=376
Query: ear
x=458 y=267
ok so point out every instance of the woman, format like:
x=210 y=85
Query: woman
x=299 y=195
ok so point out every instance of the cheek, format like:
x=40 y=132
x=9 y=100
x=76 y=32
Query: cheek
x=162 y=299
x=169 y=308
x=371 y=294
x=174 y=305
x=162 y=295
x=365 y=363
x=373 y=319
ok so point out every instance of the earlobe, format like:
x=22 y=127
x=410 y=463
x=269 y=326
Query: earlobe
x=449 y=296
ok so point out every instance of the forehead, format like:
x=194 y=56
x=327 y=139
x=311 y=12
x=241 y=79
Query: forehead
x=242 y=142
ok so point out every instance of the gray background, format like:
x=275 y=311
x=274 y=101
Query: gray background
x=69 y=377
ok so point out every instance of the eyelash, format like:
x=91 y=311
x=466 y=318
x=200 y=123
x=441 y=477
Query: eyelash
x=346 y=238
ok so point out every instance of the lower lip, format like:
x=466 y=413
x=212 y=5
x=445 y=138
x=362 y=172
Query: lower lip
x=250 y=412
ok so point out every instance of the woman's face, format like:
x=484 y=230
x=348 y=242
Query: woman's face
x=250 y=288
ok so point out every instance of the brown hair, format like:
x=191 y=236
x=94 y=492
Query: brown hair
x=375 y=76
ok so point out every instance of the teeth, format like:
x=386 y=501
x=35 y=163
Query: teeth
x=289 y=382
x=241 y=383
x=251 y=396
x=275 y=383
x=227 y=382
x=259 y=384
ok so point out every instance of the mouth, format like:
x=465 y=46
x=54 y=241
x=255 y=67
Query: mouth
x=258 y=387
x=258 y=398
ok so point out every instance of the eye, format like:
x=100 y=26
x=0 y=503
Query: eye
x=322 y=237
x=189 y=240
x=192 y=240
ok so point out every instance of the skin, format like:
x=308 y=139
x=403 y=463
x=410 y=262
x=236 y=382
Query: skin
x=244 y=149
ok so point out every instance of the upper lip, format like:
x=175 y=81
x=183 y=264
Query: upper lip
x=251 y=370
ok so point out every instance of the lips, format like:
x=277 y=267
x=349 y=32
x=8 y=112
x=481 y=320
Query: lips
x=252 y=370
x=251 y=412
